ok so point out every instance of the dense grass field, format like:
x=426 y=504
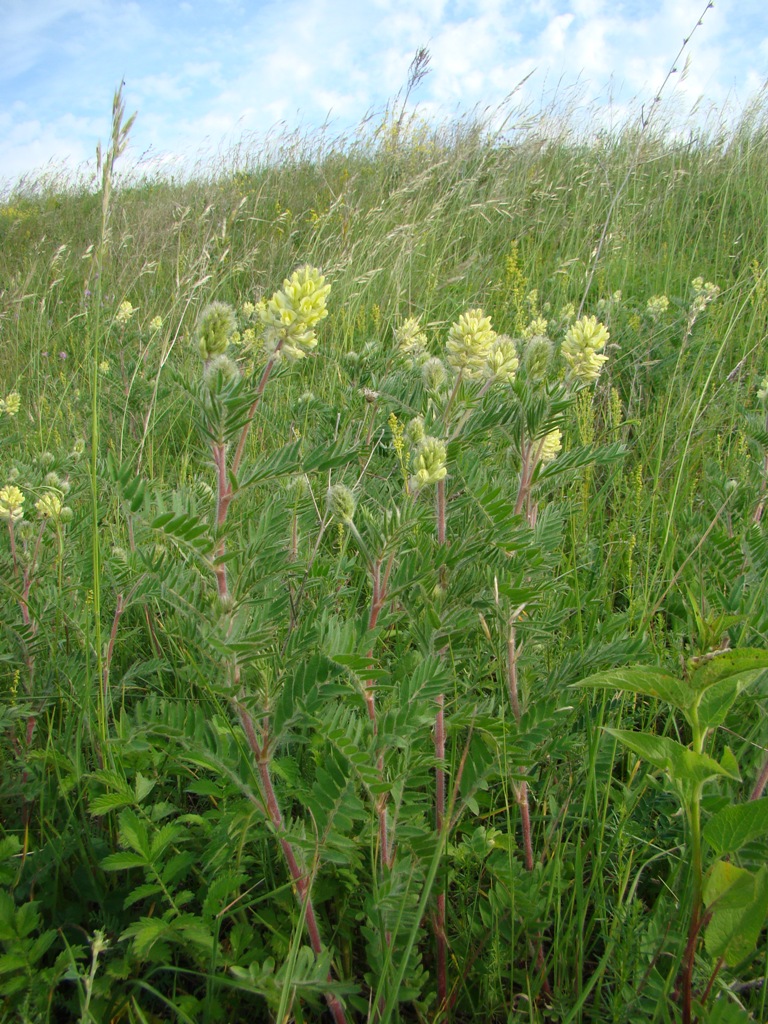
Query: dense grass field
x=325 y=476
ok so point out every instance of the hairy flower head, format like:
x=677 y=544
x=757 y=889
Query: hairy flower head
x=415 y=432
x=214 y=329
x=155 y=324
x=581 y=349
x=221 y=368
x=762 y=391
x=428 y=463
x=537 y=356
x=469 y=341
x=12 y=403
x=434 y=374
x=411 y=341
x=291 y=315
x=11 y=503
x=502 y=361
x=340 y=502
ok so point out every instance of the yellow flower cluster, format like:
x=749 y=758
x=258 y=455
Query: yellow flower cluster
x=469 y=342
x=703 y=294
x=11 y=503
x=11 y=404
x=291 y=315
x=49 y=506
x=124 y=312
x=502 y=361
x=581 y=349
x=657 y=306
x=428 y=463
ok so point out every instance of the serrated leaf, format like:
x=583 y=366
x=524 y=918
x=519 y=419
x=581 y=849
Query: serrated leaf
x=123 y=860
x=732 y=827
x=107 y=802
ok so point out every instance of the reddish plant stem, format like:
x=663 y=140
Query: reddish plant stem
x=379 y=585
x=261 y=749
x=440 y=919
x=262 y=752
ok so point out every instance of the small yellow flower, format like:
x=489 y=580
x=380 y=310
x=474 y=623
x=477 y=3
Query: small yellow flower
x=155 y=323
x=104 y=366
x=11 y=503
x=537 y=328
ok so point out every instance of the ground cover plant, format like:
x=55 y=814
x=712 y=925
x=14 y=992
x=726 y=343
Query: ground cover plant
x=383 y=581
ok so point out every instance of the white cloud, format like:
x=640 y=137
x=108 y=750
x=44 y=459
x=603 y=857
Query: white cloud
x=199 y=71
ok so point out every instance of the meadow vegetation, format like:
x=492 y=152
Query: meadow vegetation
x=325 y=477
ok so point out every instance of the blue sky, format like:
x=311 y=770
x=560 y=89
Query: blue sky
x=203 y=74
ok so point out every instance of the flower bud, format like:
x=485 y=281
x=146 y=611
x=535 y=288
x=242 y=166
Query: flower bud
x=214 y=329
x=434 y=374
x=340 y=502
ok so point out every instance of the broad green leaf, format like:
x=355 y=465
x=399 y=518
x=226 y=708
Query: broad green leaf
x=729 y=886
x=680 y=763
x=652 y=682
x=733 y=934
x=746 y=665
x=729 y=829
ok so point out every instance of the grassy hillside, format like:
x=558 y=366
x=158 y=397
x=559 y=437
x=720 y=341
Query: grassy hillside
x=296 y=583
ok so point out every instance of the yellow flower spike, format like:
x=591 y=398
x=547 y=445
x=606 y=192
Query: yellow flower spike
x=502 y=362
x=469 y=341
x=581 y=349
x=551 y=445
x=411 y=340
x=290 y=316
